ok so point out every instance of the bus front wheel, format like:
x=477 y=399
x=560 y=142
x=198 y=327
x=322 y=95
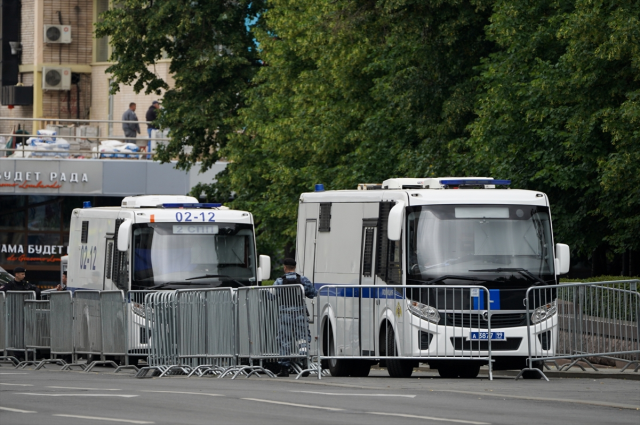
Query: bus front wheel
x=397 y=368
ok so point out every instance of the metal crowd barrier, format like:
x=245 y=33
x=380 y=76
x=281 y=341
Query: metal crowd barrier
x=137 y=333
x=61 y=328
x=36 y=329
x=15 y=320
x=272 y=325
x=582 y=321
x=161 y=327
x=206 y=330
x=113 y=328
x=402 y=325
x=3 y=325
x=87 y=329
x=4 y=356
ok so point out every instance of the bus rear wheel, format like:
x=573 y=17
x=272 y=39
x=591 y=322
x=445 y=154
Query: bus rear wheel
x=337 y=367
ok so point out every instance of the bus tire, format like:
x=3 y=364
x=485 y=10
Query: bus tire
x=447 y=371
x=337 y=367
x=397 y=368
x=359 y=368
x=469 y=370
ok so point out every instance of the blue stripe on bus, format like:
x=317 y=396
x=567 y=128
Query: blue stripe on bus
x=376 y=293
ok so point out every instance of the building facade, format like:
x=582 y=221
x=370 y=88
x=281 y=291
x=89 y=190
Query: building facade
x=53 y=68
x=44 y=41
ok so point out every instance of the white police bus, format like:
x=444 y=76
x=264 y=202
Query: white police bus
x=163 y=242
x=443 y=231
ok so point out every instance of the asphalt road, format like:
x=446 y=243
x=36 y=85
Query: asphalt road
x=53 y=397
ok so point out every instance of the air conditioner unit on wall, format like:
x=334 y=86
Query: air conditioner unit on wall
x=57 y=33
x=56 y=78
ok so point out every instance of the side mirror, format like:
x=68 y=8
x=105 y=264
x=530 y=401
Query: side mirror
x=124 y=235
x=264 y=267
x=396 y=220
x=563 y=258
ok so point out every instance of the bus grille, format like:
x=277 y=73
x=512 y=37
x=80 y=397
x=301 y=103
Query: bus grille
x=476 y=321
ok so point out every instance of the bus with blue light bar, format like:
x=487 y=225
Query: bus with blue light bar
x=163 y=242
x=431 y=231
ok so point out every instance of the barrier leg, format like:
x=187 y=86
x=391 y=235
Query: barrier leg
x=531 y=368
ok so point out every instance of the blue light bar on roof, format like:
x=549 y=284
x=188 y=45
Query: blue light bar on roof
x=473 y=182
x=191 y=205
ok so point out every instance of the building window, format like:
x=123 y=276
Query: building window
x=102 y=44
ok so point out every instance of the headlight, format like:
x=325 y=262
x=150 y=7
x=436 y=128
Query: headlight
x=544 y=312
x=424 y=311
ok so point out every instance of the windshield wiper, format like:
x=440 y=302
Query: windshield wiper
x=450 y=276
x=523 y=272
x=207 y=275
x=218 y=275
x=162 y=285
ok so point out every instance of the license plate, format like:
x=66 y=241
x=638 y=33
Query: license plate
x=484 y=336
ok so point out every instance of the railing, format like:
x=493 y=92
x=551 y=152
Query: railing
x=579 y=321
x=233 y=332
x=89 y=149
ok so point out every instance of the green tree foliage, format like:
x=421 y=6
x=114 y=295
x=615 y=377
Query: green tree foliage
x=559 y=112
x=339 y=92
x=213 y=59
x=353 y=92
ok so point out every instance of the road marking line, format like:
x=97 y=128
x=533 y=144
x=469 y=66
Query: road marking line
x=561 y=400
x=9 y=409
x=81 y=395
x=293 y=404
x=357 y=395
x=96 y=389
x=19 y=385
x=13 y=373
x=402 y=415
x=183 y=392
x=96 y=418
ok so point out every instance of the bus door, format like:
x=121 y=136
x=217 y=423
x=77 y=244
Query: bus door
x=308 y=270
x=367 y=322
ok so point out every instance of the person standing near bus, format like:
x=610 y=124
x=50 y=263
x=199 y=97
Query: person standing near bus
x=62 y=286
x=19 y=283
x=293 y=325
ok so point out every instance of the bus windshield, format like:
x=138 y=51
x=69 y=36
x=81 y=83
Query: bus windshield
x=211 y=254
x=492 y=242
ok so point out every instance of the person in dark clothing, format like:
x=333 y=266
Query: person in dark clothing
x=293 y=324
x=19 y=283
x=131 y=127
x=62 y=286
x=152 y=114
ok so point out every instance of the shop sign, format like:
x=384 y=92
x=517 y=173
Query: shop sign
x=33 y=253
x=31 y=179
x=50 y=177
